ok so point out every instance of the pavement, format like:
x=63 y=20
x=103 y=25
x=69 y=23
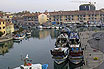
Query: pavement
x=89 y=52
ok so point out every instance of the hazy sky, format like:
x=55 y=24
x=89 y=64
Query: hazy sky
x=42 y=5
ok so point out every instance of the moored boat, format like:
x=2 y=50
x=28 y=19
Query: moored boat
x=28 y=33
x=76 y=53
x=62 y=40
x=29 y=65
x=76 y=57
x=19 y=36
x=60 y=54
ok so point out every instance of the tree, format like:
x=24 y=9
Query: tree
x=1 y=33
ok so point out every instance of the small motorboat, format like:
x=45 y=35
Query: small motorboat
x=28 y=33
x=40 y=27
x=29 y=65
x=19 y=36
x=60 y=54
x=62 y=40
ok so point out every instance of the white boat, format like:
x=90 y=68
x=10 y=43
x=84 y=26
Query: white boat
x=33 y=66
x=40 y=27
x=28 y=33
x=29 y=65
x=18 y=37
x=57 y=28
x=48 y=27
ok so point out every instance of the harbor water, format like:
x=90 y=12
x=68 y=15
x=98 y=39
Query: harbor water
x=38 y=48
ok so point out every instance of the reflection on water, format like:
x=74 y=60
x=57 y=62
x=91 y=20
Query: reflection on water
x=67 y=65
x=42 y=34
x=5 y=46
x=64 y=65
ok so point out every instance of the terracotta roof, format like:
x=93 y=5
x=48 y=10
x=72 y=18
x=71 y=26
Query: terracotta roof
x=1 y=14
x=75 y=12
x=17 y=18
x=31 y=14
x=1 y=20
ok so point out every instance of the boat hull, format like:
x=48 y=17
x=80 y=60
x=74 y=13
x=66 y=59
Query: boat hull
x=76 y=60
x=19 y=38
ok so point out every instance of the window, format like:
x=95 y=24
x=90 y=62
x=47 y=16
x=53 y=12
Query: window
x=3 y=22
x=0 y=23
x=84 y=18
x=3 y=27
x=84 y=15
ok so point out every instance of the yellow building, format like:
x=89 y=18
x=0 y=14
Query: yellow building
x=42 y=18
x=76 y=16
x=2 y=26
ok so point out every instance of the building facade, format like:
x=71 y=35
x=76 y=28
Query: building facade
x=76 y=16
x=3 y=26
x=42 y=18
x=30 y=19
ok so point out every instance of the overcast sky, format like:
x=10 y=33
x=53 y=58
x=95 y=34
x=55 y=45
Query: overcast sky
x=42 y=5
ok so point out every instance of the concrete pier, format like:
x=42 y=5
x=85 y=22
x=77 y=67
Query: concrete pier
x=90 y=53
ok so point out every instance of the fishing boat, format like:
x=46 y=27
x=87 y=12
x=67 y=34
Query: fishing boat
x=19 y=36
x=29 y=65
x=62 y=40
x=59 y=54
x=76 y=53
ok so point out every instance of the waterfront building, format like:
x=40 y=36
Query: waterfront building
x=30 y=19
x=26 y=20
x=7 y=16
x=3 y=26
x=76 y=16
x=43 y=18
